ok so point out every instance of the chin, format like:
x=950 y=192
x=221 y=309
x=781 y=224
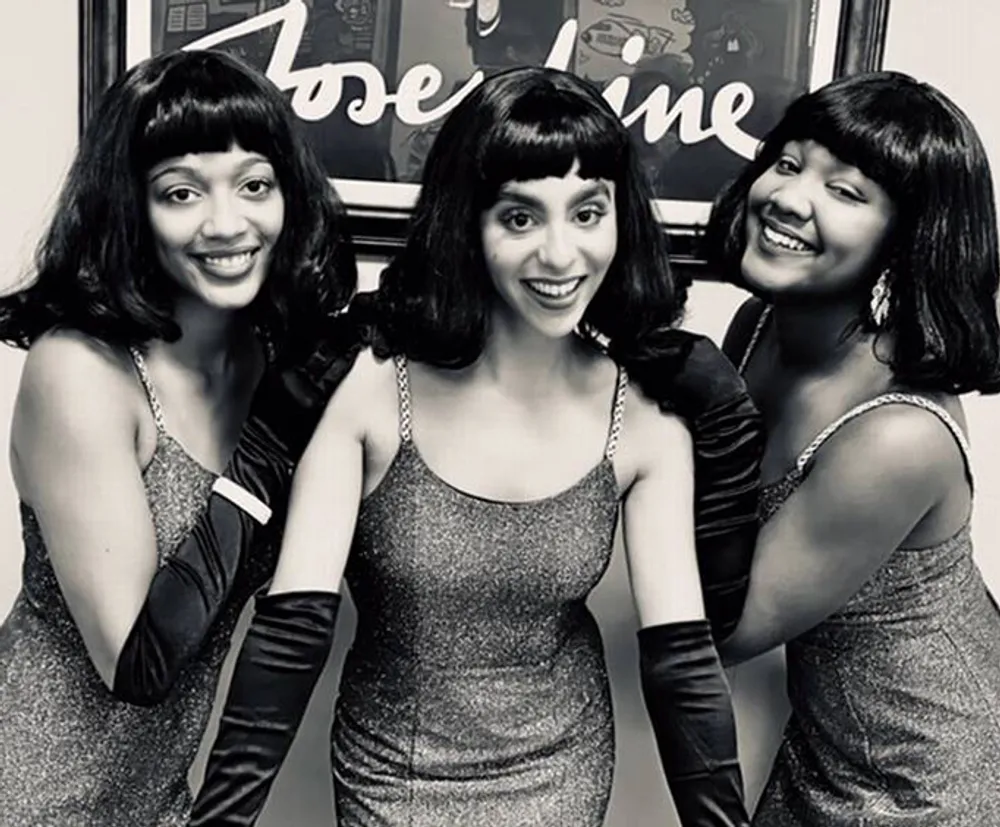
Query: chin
x=768 y=277
x=557 y=329
x=232 y=300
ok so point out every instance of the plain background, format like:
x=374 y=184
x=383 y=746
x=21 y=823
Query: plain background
x=950 y=43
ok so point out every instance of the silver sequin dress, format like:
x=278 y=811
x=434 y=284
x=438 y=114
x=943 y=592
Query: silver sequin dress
x=71 y=754
x=895 y=697
x=475 y=693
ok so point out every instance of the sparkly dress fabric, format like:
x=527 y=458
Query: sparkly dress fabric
x=476 y=692
x=71 y=754
x=895 y=697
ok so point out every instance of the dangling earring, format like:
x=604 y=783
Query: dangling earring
x=879 y=304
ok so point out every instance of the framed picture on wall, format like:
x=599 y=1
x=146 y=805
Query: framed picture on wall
x=698 y=82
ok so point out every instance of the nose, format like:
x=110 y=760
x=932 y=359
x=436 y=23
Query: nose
x=225 y=217
x=791 y=198
x=557 y=250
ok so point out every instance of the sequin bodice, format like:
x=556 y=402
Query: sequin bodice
x=71 y=754
x=475 y=692
x=894 y=696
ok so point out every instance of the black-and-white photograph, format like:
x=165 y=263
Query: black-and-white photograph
x=500 y=413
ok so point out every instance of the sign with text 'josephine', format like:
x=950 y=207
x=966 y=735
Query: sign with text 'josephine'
x=698 y=82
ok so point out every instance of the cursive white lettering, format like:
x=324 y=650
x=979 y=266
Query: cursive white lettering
x=317 y=91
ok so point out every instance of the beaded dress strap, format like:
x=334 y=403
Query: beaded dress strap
x=755 y=337
x=403 y=387
x=147 y=385
x=806 y=457
x=406 y=418
x=617 y=414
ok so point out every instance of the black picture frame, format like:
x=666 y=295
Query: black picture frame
x=377 y=230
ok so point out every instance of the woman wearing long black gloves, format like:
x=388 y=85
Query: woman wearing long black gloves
x=867 y=228
x=196 y=248
x=479 y=455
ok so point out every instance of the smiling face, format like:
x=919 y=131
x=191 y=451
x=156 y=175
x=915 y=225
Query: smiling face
x=215 y=218
x=548 y=243
x=815 y=226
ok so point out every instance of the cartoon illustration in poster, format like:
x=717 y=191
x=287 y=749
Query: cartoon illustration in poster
x=605 y=25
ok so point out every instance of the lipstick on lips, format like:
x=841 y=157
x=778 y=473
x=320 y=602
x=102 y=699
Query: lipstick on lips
x=555 y=293
x=227 y=263
x=775 y=235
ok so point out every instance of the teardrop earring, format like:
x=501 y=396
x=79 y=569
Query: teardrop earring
x=881 y=294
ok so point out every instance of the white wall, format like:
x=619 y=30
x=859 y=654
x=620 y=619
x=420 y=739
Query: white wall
x=949 y=44
x=38 y=94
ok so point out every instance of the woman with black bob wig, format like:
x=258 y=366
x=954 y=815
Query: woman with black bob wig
x=524 y=383
x=866 y=227
x=187 y=290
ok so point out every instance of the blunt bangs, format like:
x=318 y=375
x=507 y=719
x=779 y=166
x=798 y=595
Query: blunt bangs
x=208 y=107
x=545 y=132
x=883 y=124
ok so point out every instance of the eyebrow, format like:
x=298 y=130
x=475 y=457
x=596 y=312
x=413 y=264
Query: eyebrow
x=186 y=169
x=590 y=191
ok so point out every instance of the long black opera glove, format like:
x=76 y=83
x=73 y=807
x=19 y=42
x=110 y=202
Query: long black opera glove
x=691 y=711
x=686 y=374
x=187 y=592
x=281 y=659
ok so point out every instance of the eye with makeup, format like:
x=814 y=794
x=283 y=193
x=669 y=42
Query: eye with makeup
x=258 y=181
x=177 y=194
x=787 y=165
x=516 y=219
x=847 y=192
x=258 y=187
x=591 y=214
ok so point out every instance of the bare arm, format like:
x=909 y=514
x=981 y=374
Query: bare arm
x=73 y=454
x=74 y=457
x=291 y=633
x=870 y=485
x=326 y=493
x=659 y=521
x=683 y=683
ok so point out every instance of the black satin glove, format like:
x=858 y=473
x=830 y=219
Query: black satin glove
x=290 y=400
x=188 y=591
x=281 y=659
x=691 y=712
x=686 y=374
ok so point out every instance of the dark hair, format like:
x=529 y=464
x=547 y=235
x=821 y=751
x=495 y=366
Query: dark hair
x=522 y=124
x=96 y=268
x=941 y=252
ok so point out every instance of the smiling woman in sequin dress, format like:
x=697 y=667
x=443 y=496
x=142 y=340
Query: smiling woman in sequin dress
x=487 y=443
x=193 y=225
x=866 y=226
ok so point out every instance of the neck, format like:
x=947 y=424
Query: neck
x=525 y=361
x=212 y=341
x=818 y=336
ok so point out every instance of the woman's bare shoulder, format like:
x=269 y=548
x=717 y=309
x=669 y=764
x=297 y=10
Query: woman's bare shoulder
x=368 y=391
x=71 y=377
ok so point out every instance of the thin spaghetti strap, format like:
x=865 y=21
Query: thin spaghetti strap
x=403 y=387
x=755 y=337
x=617 y=414
x=893 y=398
x=147 y=385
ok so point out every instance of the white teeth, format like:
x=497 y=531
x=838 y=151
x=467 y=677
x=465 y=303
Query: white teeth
x=555 y=290
x=229 y=262
x=787 y=242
